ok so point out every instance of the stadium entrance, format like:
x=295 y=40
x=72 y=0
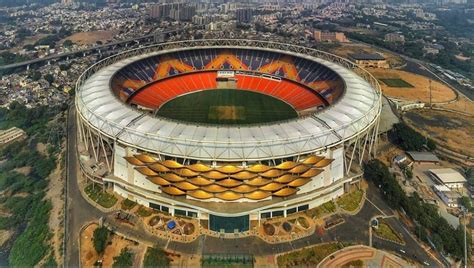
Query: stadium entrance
x=229 y=224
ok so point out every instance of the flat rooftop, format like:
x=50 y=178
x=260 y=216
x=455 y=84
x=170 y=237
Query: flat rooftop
x=423 y=156
x=448 y=175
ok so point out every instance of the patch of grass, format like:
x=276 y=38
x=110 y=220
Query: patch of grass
x=324 y=209
x=227 y=106
x=396 y=82
x=308 y=257
x=95 y=192
x=386 y=231
x=128 y=204
x=350 y=201
x=144 y=212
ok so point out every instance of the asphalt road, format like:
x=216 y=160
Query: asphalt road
x=79 y=211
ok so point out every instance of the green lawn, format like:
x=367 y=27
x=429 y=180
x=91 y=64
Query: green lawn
x=128 y=204
x=308 y=257
x=144 y=212
x=324 y=209
x=95 y=192
x=350 y=201
x=385 y=231
x=227 y=106
x=395 y=82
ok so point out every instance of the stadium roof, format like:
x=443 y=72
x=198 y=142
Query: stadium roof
x=355 y=112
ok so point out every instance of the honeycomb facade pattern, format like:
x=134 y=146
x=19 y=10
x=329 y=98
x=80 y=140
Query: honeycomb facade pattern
x=228 y=182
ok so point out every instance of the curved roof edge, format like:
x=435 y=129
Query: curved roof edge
x=356 y=111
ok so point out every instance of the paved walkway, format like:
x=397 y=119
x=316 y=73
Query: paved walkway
x=371 y=257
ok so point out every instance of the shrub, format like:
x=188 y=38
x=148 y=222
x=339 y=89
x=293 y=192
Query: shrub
x=99 y=239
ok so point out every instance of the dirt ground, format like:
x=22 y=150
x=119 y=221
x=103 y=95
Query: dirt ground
x=387 y=151
x=349 y=48
x=55 y=194
x=87 y=38
x=420 y=91
x=4 y=236
x=89 y=256
x=23 y=170
x=463 y=105
x=449 y=129
x=42 y=148
x=185 y=260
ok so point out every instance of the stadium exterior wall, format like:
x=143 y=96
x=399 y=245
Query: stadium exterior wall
x=125 y=181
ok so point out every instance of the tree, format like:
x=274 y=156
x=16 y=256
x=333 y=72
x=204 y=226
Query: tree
x=465 y=201
x=49 y=78
x=68 y=43
x=470 y=175
x=156 y=257
x=430 y=144
x=99 y=239
x=29 y=47
x=125 y=259
x=407 y=138
x=36 y=76
x=64 y=67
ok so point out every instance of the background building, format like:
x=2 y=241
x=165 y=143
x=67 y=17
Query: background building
x=244 y=15
x=448 y=177
x=395 y=37
x=368 y=60
x=322 y=36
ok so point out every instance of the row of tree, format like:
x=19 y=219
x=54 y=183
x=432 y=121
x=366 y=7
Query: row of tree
x=409 y=139
x=430 y=225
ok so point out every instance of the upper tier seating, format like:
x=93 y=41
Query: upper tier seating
x=164 y=90
x=302 y=70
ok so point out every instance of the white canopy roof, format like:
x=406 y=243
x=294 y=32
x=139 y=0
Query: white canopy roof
x=356 y=110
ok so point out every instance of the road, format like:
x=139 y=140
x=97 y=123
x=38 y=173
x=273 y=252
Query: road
x=96 y=48
x=79 y=211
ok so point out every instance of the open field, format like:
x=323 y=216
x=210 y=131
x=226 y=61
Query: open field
x=347 y=49
x=396 y=82
x=462 y=105
x=449 y=129
x=87 y=38
x=420 y=90
x=227 y=106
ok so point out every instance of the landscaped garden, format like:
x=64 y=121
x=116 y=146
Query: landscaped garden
x=350 y=201
x=128 y=204
x=308 y=257
x=95 y=192
x=324 y=209
x=385 y=231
